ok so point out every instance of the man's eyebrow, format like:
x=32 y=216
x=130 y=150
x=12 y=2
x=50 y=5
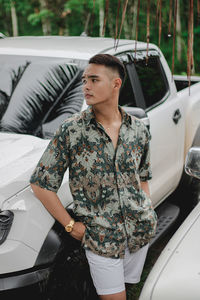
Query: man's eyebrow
x=90 y=76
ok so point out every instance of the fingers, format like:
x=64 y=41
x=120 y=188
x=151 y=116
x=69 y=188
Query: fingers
x=78 y=231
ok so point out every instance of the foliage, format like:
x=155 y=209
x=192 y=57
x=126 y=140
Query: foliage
x=36 y=18
x=73 y=17
x=81 y=11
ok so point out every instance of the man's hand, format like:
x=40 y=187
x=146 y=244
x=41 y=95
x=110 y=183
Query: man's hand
x=78 y=231
x=145 y=187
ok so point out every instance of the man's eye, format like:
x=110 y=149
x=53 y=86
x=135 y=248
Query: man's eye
x=94 y=80
x=83 y=81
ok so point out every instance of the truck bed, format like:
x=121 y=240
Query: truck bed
x=182 y=81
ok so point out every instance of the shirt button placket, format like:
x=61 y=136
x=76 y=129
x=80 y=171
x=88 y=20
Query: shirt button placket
x=103 y=193
x=120 y=189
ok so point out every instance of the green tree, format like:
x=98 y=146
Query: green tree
x=74 y=17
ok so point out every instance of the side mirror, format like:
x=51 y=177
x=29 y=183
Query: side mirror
x=138 y=113
x=192 y=162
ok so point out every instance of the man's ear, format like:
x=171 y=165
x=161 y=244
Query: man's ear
x=117 y=83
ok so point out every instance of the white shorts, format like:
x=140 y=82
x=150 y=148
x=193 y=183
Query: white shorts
x=110 y=274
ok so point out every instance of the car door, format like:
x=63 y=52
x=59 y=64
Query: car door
x=151 y=91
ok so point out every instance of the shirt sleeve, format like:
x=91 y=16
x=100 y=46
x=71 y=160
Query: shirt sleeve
x=145 y=167
x=51 y=168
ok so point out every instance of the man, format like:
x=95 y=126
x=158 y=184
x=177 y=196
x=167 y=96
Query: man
x=107 y=152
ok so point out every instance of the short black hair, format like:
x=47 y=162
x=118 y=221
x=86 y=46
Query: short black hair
x=109 y=61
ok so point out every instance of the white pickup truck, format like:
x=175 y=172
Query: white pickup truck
x=39 y=87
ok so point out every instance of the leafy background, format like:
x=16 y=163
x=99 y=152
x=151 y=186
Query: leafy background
x=75 y=17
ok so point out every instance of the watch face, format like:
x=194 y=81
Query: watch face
x=69 y=229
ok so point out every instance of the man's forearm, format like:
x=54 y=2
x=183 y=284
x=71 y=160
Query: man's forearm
x=145 y=187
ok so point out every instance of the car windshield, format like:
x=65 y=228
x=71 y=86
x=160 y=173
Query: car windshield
x=38 y=93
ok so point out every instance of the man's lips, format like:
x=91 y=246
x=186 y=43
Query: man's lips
x=87 y=96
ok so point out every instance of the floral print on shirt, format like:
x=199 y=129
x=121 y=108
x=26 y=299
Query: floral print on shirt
x=104 y=182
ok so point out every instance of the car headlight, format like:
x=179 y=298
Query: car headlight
x=6 y=219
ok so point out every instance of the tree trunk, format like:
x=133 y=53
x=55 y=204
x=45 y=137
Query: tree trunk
x=46 y=25
x=14 y=18
x=126 y=29
x=101 y=17
x=133 y=31
x=87 y=23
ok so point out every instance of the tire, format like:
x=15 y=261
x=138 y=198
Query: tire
x=184 y=196
x=195 y=183
x=70 y=278
x=187 y=194
x=194 y=191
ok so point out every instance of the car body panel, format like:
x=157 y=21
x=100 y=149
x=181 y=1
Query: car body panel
x=70 y=47
x=176 y=274
x=18 y=156
x=11 y=251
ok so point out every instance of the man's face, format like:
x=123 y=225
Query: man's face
x=98 y=84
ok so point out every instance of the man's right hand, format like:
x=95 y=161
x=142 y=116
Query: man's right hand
x=78 y=231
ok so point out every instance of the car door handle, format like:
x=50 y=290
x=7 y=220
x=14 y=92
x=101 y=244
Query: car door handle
x=176 y=116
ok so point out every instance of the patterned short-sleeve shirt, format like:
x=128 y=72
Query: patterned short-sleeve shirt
x=104 y=182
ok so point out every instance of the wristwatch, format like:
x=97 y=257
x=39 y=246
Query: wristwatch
x=69 y=227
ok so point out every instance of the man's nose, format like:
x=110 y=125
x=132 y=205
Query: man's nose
x=86 y=86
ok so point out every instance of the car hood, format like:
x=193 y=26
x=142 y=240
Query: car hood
x=176 y=274
x=19 y=155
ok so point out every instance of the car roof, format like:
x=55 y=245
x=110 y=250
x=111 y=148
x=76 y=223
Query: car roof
x=60 y=46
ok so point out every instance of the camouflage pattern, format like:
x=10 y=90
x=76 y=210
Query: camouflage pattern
x=104 y=182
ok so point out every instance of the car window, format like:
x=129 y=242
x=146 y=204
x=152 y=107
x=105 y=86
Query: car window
x=37 y=94
x=152 y=79
x=148 y=85
x=126 y=97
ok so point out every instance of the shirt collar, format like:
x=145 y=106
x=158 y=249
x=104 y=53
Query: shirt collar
x=89 y=116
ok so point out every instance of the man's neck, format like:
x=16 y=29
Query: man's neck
x=110 y=118
x=107 y=115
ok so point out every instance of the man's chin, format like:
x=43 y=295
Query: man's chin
x=94 y=102
x=90 y=102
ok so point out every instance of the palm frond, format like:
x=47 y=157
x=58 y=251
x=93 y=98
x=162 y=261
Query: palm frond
x=10 y=75
x=42 y=88
x=4 y=100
